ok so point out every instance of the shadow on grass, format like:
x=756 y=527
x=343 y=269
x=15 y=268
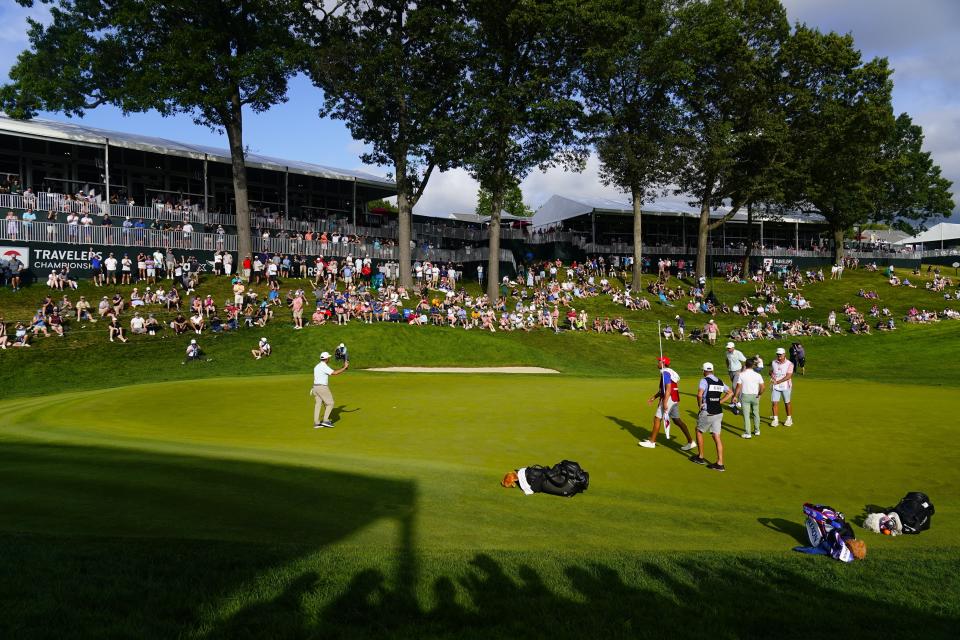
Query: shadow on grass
x=102 y=541
x=640 y=433
x=114 y=543
x=499 y=598
x=790 y=528
x=338 y=411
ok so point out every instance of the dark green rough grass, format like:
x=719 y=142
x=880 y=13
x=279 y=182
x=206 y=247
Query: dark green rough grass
x=164 y=589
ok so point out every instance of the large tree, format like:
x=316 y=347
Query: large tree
x=625 y=80
x=519 y=113
x=728 y=55
x=911 y=189
x=392 y=71
x=840 y=121
x=211 y=60
x=512 y=203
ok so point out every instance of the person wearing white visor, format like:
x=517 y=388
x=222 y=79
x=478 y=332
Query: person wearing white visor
x=781 y=377
x=321 y=390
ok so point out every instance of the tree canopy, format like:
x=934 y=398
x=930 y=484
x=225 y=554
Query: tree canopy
x=392 y=71
x=209 y=60
x=518 y=111
x=512 y=203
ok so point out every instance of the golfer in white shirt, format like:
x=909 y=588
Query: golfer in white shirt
x=749 y=388
x=321 y=390
x=781 y=377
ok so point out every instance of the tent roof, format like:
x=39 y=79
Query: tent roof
x=559 y=208
x=946 y=231
x=82 y=134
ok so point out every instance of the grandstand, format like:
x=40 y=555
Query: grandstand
x=100 y=189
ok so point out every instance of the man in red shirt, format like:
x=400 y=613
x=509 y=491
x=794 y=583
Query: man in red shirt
x=668 y=407
x=246 y=268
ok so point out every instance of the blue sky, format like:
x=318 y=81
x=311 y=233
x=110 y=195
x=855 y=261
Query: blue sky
x=918 y=37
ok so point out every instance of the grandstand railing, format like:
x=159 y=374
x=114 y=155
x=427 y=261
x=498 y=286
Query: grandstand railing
x=138 y=238
x=59 y=232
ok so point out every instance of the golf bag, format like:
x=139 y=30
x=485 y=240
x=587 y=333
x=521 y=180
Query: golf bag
x=823 y=520
x=915 y=511
x=565 y=479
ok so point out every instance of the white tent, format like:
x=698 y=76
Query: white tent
x=559 y=208
x=943 y=232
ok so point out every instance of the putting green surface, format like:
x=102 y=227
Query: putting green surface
x=237 y=460
x=212 y=509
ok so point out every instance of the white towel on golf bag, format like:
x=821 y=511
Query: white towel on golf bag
x=877 y=522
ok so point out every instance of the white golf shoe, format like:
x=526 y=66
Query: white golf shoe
x=646 y=444
x=775 y=422
x=688 y=446
x=789 y=422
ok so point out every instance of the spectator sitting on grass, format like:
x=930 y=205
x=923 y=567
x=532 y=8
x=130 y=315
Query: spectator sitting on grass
x=56 y=322
x=83 y=310
x=197 y=323
x=262 y=349
x=137 y=324
x=193 y=352
x=21 y=337
x=39 y=324
x=152 y=325
x=115 y=329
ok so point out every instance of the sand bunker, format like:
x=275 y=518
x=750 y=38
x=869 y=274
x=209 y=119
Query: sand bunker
x=464 y=370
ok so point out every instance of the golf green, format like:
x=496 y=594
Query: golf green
x=437 y=445
x=212 y=509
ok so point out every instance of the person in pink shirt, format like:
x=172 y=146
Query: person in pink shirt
x=297 y=306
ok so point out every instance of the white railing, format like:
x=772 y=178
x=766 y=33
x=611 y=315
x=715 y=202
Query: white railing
x=114 y=236
x=57 y=232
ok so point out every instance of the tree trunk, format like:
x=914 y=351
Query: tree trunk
x=703 y=231
x=637 y=195
x=745 y=269
x=404 y=220
x=838 y=246
x=493 y=260
x=235 y=139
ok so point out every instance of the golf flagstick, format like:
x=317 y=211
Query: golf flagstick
x=666 y=417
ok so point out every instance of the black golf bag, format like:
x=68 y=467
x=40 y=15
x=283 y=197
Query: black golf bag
x=565 y=479
x=915 y=511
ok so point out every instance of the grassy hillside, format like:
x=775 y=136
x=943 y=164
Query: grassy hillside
x=84 y=359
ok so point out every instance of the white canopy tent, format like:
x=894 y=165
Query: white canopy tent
x=945 y=232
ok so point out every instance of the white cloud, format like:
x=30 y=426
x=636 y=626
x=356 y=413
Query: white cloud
x=449 y=192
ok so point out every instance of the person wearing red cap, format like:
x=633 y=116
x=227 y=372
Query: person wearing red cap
x=668 y=407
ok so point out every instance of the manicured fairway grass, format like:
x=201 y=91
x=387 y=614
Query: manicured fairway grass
x=210 y=508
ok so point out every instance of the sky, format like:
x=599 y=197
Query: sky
x=918 y=37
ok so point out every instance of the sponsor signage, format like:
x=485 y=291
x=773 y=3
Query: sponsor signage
x=54 y=258
x=20 y=253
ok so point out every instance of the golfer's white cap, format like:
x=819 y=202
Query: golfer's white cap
x=341 y=344
x=325 y=355
x=781 y=351
x=708 y=366
x=193 y=342
x=730 y=345
x=263 y=339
